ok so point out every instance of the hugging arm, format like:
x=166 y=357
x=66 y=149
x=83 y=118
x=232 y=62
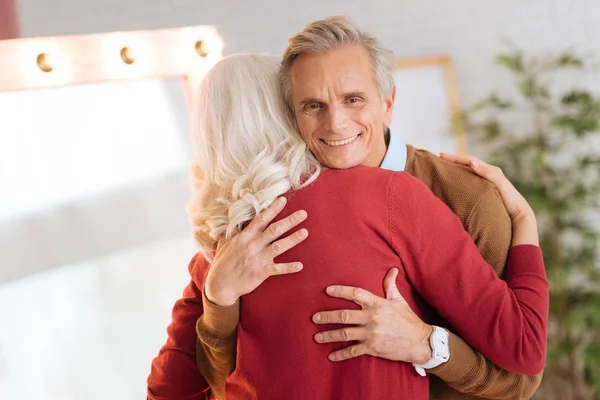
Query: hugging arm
x=174 y=374
x=468 y=370
x=506 y=321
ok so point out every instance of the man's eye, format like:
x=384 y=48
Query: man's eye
x=312 y=107
x=354 y=100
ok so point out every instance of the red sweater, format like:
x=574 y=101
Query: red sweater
x=362 y=222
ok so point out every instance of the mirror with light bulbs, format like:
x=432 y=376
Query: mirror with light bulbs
x=87 y=117
x=95 y=242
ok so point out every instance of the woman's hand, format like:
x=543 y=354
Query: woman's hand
x=515 y=203
x=244 y=262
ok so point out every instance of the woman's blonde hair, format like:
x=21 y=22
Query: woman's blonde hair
x=247 y=148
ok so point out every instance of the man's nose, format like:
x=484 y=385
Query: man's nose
x=336 y=120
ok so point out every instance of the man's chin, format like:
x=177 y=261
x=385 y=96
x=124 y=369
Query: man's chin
x=340 y=164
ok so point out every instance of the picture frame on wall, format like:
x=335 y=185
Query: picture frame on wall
x=426 y=105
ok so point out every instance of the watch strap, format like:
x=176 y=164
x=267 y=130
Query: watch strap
x=435 y=359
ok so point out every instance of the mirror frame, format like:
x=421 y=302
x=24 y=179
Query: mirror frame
x=33 y=63
x=445 y=63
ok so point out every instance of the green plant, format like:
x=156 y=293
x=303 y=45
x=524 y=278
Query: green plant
x=542 y=137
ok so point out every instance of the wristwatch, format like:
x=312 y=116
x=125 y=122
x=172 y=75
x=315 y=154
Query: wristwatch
x=440 y=350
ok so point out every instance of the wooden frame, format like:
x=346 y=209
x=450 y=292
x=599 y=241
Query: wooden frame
x=445 y=63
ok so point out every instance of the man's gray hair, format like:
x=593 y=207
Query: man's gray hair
x=330 y=34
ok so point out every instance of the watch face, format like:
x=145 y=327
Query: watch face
x=442 y=348
x=441 y=345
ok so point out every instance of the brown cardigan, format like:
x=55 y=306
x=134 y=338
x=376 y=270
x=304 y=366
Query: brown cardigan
x=468 y=374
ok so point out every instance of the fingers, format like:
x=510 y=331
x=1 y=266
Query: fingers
x=361 y=297
x=481 y=168
x=282 y=268
x=464 y=160
x=262 y=220
x=349 y=352
x=489 y=172
x=389 y=285
x=351 y=317
x=283 y=245
x=341 y=335
x=276 y=230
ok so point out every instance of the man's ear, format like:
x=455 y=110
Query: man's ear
x=388 y=102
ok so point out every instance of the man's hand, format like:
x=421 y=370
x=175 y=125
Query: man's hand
x=244 y=262
x=385 y=328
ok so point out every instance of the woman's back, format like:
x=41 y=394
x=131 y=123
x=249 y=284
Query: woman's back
x=361 y=223
x=348 y=244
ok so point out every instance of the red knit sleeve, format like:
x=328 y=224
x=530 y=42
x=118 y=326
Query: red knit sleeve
x=506 y=321
x=174 y=373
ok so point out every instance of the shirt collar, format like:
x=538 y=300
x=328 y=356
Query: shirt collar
x=395 y=157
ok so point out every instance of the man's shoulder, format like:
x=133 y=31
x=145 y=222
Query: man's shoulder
x=380 y=179
x=456 y=185
x=435 y=171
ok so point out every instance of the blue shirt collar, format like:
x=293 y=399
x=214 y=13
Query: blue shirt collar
x=395 y=157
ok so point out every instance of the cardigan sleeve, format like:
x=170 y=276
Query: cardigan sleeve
x=468 y=371
x=216 y=349
x=506 y=321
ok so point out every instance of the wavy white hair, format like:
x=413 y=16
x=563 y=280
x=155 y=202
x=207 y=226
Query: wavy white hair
x=247 y=148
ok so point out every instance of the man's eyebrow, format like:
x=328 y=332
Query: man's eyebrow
x=355 y=93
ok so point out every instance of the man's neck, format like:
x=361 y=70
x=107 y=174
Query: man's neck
x=376 y=157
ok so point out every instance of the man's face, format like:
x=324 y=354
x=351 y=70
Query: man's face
x=339 y=109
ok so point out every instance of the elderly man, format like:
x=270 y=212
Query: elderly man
x=338 y=82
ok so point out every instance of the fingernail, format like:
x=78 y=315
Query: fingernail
x=331 y=357
x=282 y=200
x=318 y=338
x=316 y=318
x=330 y=290
x=302 y=214
x=303 y=232
x=474 y=163
x=297 y=266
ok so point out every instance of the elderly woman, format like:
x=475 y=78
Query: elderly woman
x=250 y=156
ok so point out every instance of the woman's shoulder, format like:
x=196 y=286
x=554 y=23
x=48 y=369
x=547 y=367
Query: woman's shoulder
x=370 y=185
x=372 y=178
x=356 y=178
x=359 y=172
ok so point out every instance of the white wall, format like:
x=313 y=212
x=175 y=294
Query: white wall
x=471 y=31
